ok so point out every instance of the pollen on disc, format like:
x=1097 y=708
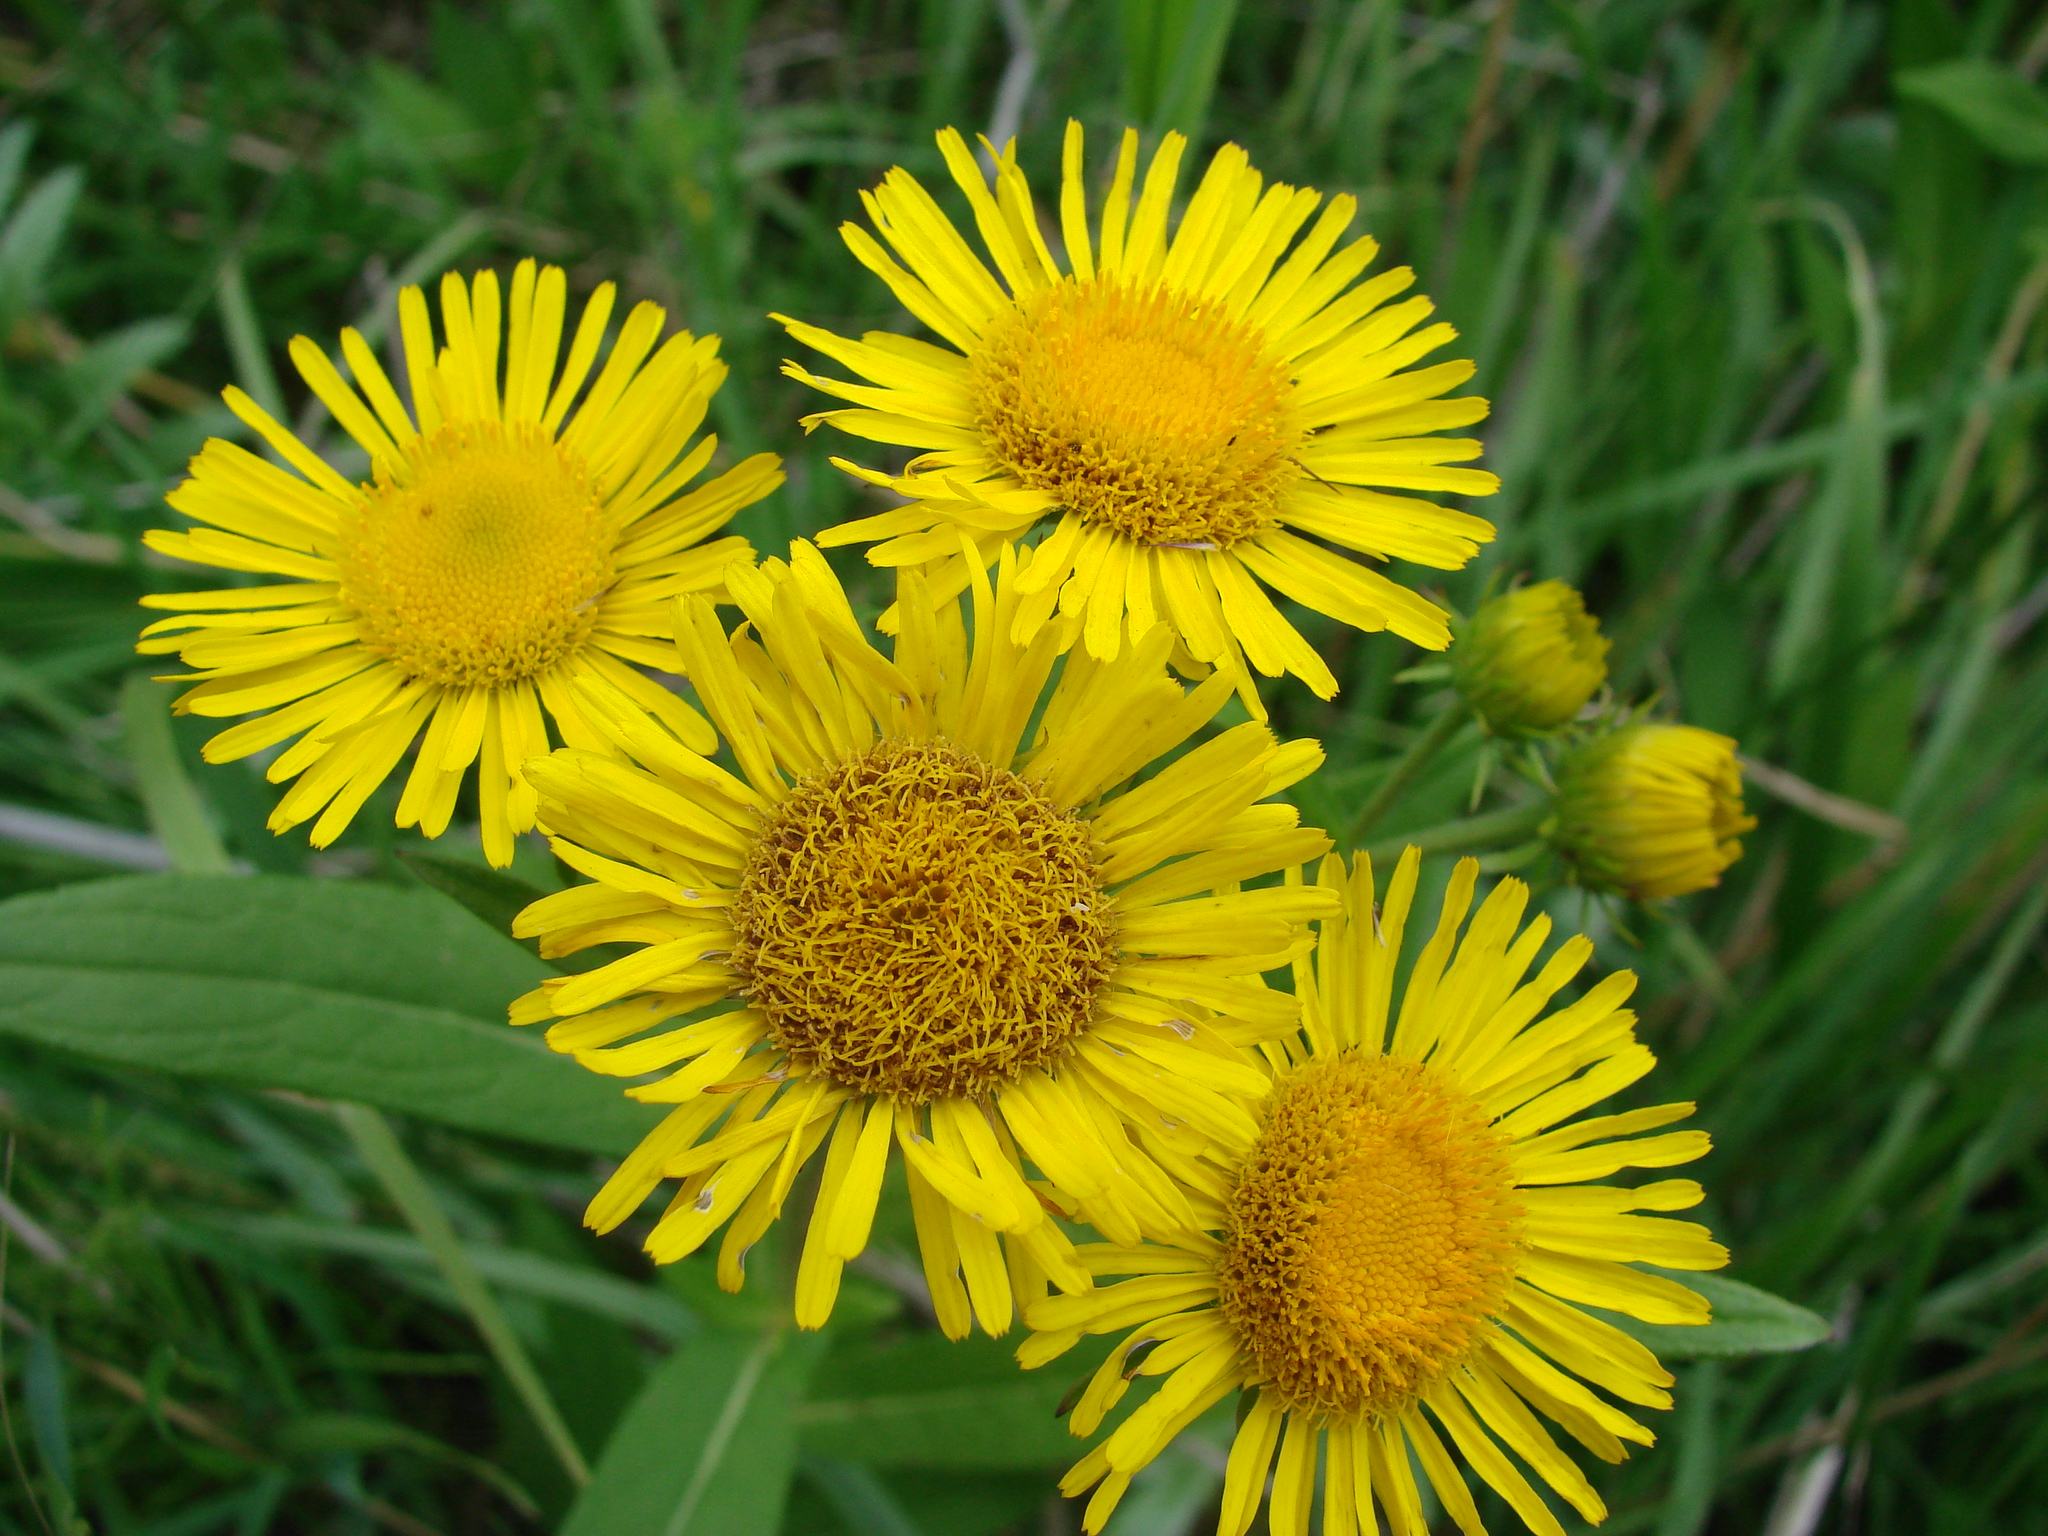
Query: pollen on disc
x=1371 y=1236
x=918 y=923
x=1140 y=409
x=484 y=565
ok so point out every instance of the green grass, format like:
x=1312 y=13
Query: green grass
x=1757 y=291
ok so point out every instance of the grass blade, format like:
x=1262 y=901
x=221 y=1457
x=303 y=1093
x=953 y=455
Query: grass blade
x=402 y=1181
x=176 y=813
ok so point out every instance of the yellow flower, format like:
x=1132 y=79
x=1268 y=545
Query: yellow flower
x=1651 y=810
x=923 y=919
x=1530 y=659
x=1196 y=416
x=1406 y=1249
x=506 y=563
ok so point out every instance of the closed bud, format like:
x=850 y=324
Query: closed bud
x=1651 y=810
x=1530 y=659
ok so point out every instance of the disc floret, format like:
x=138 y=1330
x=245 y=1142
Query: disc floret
x=918 y=923
x=483 y=562
x=1371 y=1236
x=1144 y=411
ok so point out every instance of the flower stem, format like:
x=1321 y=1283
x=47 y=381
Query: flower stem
x=1406 y=768
x=1495 y=829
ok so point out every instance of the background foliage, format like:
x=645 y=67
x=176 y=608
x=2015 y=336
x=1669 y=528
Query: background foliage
x=1757 y=289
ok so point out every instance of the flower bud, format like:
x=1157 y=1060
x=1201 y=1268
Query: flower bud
x=1651 y=810
x=1529 y=659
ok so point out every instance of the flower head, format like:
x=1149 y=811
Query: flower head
x=509 y=562
x=933 y=911
x=1651 y=810
x=1530 y=659
x=1193 y=416
x=1402 y=1253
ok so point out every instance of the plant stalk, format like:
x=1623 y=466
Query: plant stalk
x=1496 y=829
x=1407 y=768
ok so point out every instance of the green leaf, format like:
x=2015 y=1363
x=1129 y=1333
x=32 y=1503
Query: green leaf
x=1189 y=76
x=100 y=373
x=49 y=1426
x=929 y=1402
x=348 y=991
x=13 y=153
x=1170 y=1495
x=1747 y=1321
x=863 y=1502
x=31 y=237
x=1695 y=1441
x=176 y=812
x=490 y=894
x=385 y=1156
x=409 y=124
x=594 y=1291
x=709 y=1446
x=244 y=332
x=1173 y=51
x=942 y=1503
x=2004 y=113
x=326 y=1434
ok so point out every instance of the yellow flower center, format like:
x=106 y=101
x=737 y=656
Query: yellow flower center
x=1371 y=1236
x=484 y=564
x=919 y=924
x=1140 y=409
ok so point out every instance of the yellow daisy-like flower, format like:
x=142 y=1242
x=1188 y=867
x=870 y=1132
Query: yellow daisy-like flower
x=1530 y=659
x=1651 y=810
x=512 y=556
x=919 y=918
x=1405 y=1249
x=1197 y=415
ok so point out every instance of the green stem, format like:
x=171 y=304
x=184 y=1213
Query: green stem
x=1496 y=829
x=408 y=1190
x=1433 y=739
